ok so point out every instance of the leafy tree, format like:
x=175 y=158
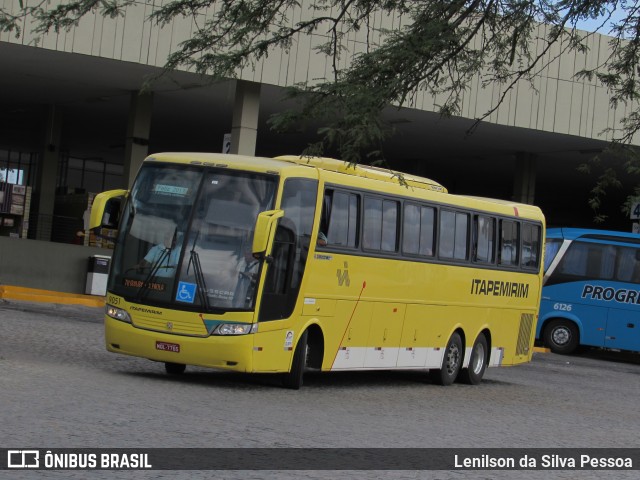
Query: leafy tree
x=440 y=49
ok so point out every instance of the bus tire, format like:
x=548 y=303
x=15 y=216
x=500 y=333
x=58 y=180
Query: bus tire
x=293 y=378
x=174 y=368
x=450 y=363
x=561 y=336
x=477 y=362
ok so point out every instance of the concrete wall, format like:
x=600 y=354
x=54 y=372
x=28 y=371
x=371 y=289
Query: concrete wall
x=557 y=101
x=49 y=266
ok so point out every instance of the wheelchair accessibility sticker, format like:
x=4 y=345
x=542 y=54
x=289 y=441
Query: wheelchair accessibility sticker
x=186 y=292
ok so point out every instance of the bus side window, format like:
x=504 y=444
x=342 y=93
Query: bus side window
x=483 y=239
x=636 y=269
x=324 y=220
x=453 y=235
x=530 y=245
x=606 y=263
x=628 y=264
x=508 y=249
x=342 y=225
x=574 y=262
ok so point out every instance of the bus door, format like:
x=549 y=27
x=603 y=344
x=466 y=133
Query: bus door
x=285 y=267
x=290 y=250
x=594 y=322
x=623 y=329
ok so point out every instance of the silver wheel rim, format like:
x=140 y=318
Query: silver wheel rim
x=453 y=358
x=561 y=335
x=478 y=359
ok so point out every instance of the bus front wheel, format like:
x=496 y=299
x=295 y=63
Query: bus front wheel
x=561 y=336
x=293 y=378
x=477 y=362
x=450 y=364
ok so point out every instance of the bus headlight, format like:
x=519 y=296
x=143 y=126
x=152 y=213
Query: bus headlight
x=117 y=313
x=235 y=329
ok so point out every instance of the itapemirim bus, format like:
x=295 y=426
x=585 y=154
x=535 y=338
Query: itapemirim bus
x=281 y=265
x=591 y=293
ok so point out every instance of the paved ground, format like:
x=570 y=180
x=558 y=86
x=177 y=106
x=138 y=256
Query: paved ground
x=60 y=388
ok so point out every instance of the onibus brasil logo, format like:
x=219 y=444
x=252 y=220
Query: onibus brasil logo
x=55 y=460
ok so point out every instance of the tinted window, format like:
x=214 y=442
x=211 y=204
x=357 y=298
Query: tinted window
x=418 y=230
x=596 y=261
x=380 y=228
x=484 y=233
x=530 y=245
x=509 y=243
x=628 y=264
x=342 y=212
x=453 y=235
x=588 y=260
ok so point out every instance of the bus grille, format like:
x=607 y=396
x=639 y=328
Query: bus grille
x=524 y=335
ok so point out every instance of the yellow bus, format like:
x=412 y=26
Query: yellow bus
x=286 y=264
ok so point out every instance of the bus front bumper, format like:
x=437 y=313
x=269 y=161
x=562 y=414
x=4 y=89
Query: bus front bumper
x=233 y=352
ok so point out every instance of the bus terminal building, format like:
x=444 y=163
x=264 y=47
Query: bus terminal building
x=74 y=122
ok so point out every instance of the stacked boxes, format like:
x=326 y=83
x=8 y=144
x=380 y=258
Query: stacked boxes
x=106 y=238
x=15 y=204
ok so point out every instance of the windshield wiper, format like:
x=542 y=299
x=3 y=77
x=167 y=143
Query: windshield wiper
x=197 y=270
x=152 y=271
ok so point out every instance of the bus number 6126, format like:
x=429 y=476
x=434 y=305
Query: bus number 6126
x=563 y=307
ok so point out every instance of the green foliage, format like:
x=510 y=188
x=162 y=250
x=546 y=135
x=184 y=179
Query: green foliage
x=439 y=50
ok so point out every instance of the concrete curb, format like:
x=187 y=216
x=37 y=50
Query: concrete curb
x=541 y=350
x=10 y=292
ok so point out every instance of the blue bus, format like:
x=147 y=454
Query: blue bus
x=591 y=290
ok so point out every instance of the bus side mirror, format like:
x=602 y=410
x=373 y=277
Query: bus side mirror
x=105 y=210
x=264 y=230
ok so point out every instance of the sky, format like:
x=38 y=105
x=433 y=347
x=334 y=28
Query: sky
x=593 y=25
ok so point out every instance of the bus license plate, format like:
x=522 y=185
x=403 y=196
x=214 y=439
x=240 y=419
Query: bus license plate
x=168 y=347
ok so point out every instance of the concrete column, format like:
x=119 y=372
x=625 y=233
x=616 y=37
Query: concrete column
x=48 y=173
x=524 y=182
x=244 y=126
x=138 y=129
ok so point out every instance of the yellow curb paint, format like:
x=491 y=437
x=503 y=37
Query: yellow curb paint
x=541 y=349
x=37 y=295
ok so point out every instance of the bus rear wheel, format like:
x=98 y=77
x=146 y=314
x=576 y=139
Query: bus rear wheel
x=561 y=336
x=477 y=363
x=293 y=378
x=450 y=364
x=174 y=368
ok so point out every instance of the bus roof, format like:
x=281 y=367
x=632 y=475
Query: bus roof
x=217 y=159
x=278 y=163
x=571 y=233
x=366 y=171
x=391 y=178
x=515 y=208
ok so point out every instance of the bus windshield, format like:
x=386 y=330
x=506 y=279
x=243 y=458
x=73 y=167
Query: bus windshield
x=186 y=237
x=551 y=247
